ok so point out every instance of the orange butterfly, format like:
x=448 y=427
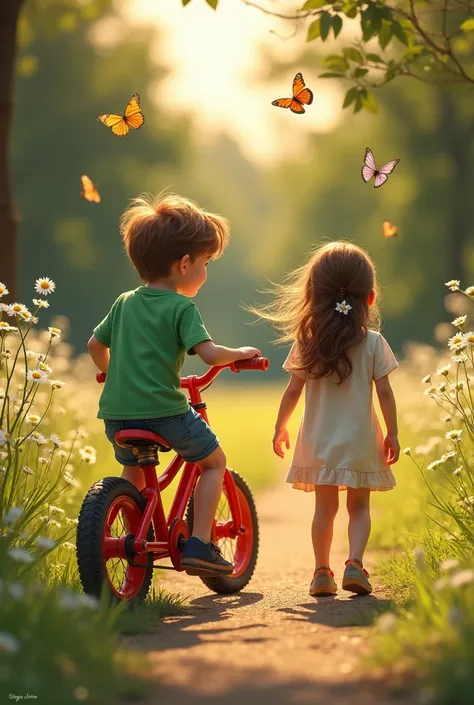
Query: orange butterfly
x=121 y=124
x=301 y=96
x=89 y=191
x=389 y=230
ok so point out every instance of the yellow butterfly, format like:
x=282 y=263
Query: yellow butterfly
x=121 y=124
x=389 y=230
x=89 y=191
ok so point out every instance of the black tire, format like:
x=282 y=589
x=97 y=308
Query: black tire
x=228 y=585
x=89 y=537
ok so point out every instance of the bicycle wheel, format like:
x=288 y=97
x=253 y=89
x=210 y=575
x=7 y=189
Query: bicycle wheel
x=242 y=551
x=112 y=508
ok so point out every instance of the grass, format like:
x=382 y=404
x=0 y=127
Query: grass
x=146 y=617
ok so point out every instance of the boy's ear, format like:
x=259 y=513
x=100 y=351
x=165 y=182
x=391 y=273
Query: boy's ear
x=183 y=264
x=371 y=298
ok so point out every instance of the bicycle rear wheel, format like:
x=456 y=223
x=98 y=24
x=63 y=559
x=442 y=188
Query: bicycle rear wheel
x=242 y=551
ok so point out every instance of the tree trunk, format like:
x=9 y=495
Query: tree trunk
x=9 y=13
x=457 y=136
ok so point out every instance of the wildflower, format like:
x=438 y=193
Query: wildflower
x=56 y=383
x=435 y=464
x=16 y=591
x=444 y=370
x=55 y=523
x=26 y=315
x=419 y=558
x=71 y=521
x=55 y=332
x=454 y=436
x=449 y=455
x=459 y=321
x=430 y=391
x=44 y=286
x=387 y=622
x=462 y=577
x=3 y=290
x=449 y=564
x=72 y=481
x=62 y=453
x=13 y=514
x=458 y=471
x=343 y=307
x=8 y=644
x=470 y=291
x=55 y=440
x=4 y=437
x=469 y=337
x=453 y=284
x=459 y=386
x=441 y=389
x=40 y=303
x=20 y=555
x=55 y=510
x=27 y=470
x=46 y=368
x=45 y=542
x=37 y=438
x=89 y=449
x=426 y=380
x=89 y=458
x=16 y=309
x=37 y=376
x=406 y=451
x=33 y=419
x=456 y=343
x=6 y=327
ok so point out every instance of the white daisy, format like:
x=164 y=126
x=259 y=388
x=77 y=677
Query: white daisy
x=444 y=370
x=3 y=290
x=44 y=286
x=426 y=380
x=469 y=337
x=37 y=438
x=13 y=514
x=70 y=480
x=41 y=303
x=15 y=309
x=459 y=321
x=406 y=451
x=27 y=470
x=72 y=521
x=6 y=327
x=454 y=436
x=45 y=542
x=26 y=315
x=88 y=458
x=55 y=440
x=55 y=510
x=33 y=419
x=343 y=307
x=57 y=384
x=435 y=464
x=458 y=471
x=89 y=449
x=4 y=437
x=53 y=522
x=55 y=332
x=449 y=455
x=453 y=284
x=37 y=376
x=8 y=644
x=20 y=555
x=470 y=291
x=457 y=343
x=46 y=368
x=62 y=453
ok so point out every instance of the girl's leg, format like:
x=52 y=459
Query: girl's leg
x=358 y=507
x=327 y=504
x=135 y=475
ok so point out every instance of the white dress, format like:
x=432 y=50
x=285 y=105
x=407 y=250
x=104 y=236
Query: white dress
x=340 y=441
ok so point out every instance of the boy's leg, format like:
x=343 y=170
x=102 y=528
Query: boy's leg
x=327 y=504
x=207 y=494
x=135 y=475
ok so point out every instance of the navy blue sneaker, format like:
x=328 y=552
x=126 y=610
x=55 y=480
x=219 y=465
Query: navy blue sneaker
x=204 y=559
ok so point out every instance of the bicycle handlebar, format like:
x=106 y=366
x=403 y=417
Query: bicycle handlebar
x=254 y=363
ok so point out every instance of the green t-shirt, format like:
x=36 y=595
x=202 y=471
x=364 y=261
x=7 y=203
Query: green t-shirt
x=148 y=332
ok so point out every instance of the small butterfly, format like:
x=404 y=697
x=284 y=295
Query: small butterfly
x=89 y=191
x=389 y=230
x=370 y=169
x=121 y=124
x=301 y=96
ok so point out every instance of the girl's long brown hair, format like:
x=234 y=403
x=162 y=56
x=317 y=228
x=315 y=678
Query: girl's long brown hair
x=304 y=308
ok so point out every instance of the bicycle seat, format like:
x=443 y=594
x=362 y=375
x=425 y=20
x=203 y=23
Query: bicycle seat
x=135 y=437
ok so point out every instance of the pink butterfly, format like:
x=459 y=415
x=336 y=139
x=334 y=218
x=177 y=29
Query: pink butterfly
x=370 y=169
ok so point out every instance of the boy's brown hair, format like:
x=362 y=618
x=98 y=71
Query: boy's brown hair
x=158 y=231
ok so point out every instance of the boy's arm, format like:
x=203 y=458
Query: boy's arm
x=213 y=354
x=287 y=405
x=99 y=353
x=389 y=411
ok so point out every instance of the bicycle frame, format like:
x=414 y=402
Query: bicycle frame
x=154 y=512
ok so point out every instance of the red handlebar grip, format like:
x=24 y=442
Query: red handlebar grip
x=100 y=377
x=255 y=363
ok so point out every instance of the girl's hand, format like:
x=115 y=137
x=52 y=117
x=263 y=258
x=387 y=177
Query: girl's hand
x=391 y=449
x=281 y=436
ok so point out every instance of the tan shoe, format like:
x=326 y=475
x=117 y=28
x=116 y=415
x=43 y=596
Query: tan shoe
x=356 y=579
x=323 y=583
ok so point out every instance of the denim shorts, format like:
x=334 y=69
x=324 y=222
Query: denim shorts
x=188 y=435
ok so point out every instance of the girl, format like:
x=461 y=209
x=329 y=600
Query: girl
x=328 y=309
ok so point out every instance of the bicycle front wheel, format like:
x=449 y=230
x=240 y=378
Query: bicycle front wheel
x=242 y=550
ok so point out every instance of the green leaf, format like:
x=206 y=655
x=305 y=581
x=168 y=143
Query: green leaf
x=351 y=95
x=326 y=23
x=350 y=10
x=336 y=62
x=213 y=3
x=332 y=74
x=467 y=25
x=185 y=2
x=314 y=4
x=399 y=33
x=358 y=103
x=385 y=34
x=369 y=103
x=314 y=30
x=375 y=58
x=353 y=55
x=358 y=73
x=336 y=24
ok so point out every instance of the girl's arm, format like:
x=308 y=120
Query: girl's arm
x=99 y=353
x=287 y=406
x=389 y=411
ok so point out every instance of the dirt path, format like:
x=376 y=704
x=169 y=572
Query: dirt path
x=272 y=643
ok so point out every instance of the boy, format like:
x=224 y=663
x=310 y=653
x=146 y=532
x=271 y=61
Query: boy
x=142 y=343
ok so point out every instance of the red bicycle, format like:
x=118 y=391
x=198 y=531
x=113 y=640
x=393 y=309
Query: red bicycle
x=122 y=531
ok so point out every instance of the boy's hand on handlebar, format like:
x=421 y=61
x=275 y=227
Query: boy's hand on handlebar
x=247 y=353
x=281 y=436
